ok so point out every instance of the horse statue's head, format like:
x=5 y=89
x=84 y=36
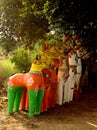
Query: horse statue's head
x=38 y=65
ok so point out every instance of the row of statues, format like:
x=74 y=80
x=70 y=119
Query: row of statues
x=54 y=78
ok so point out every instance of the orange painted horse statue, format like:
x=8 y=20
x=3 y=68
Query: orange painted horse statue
x=33 y=81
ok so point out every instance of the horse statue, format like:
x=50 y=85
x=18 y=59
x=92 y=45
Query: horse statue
x=65 y=77
x=58 y=53
x=82 y=53
x=33 y=81
x=75 y=65
x=73 y=68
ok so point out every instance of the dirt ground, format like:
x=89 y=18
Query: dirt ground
x=76 y=115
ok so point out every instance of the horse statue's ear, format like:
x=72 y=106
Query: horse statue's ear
x=75 y=37
x=65 y=37
x=12 y=74
x=45 y=47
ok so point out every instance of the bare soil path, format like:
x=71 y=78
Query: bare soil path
x=76 y=115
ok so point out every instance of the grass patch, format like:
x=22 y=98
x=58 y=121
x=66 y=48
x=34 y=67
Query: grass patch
x=6 y=70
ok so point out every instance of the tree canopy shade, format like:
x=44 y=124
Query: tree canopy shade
x=24 y=21
x=77 y=15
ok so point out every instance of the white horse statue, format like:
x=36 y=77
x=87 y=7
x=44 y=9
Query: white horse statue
x=63 y=73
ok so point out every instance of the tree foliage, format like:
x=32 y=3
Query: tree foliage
x=26 y=21
x=77 y=15
x=21 y=23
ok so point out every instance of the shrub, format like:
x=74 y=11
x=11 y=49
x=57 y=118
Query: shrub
x=22 y=59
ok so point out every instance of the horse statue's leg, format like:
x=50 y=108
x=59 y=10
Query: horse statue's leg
x=66 y=83
x=72 y=74
x=24 y=100
x=77 y=80
x=35 y=85
x=35 y=101
x=62 y=72
x=53 y=90
x=14 y=97
x=15 y=88
x=80 y=54
x=46 y=77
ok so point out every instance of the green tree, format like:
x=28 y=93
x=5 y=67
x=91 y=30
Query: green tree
x=77 y=15
x=25 y=21
x=21 y=23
